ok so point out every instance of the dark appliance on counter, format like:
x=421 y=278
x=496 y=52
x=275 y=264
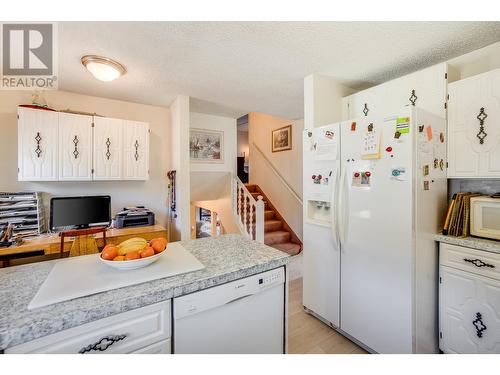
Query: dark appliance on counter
x=137 y=216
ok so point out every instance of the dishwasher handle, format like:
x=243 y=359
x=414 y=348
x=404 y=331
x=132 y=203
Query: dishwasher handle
x=239 y=298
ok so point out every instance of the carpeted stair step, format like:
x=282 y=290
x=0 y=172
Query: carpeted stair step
x=273 y=225
x=289 y=247
x=276 y=237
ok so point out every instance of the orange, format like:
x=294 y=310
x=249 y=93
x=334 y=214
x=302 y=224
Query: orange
x=119 y=257
x=110 y=252
x=132 y=255
x=158 y=246
x=147 y=252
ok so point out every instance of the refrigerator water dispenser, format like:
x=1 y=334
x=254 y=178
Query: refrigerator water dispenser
x=319 y=212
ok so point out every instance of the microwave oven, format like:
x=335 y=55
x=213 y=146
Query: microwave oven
x=485 y=217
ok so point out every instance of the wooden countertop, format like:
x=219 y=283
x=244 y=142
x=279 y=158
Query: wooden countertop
x=50 y=243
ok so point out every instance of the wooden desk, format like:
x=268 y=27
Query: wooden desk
x=51 y=243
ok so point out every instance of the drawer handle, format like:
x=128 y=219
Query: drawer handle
x=479 y=263
x=479 y=325
x=102 y=344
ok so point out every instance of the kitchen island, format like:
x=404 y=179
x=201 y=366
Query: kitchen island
x=226 y=258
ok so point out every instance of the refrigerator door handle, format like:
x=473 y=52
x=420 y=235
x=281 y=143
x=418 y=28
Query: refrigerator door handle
x=333 y=211
x=343 y=207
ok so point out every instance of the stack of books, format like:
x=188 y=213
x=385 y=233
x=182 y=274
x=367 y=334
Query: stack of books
x=457 y=221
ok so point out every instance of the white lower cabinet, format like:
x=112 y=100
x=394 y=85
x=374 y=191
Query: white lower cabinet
x=469 y=301
x=143 y=330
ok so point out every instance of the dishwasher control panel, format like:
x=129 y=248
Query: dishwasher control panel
x=271 y=277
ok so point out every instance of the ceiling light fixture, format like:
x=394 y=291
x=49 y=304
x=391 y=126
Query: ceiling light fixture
x=102 y=68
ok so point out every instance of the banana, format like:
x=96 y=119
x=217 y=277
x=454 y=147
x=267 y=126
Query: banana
x=132 y=244
x=133 y=240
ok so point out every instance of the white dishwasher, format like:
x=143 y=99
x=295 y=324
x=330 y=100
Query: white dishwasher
x=243 y=316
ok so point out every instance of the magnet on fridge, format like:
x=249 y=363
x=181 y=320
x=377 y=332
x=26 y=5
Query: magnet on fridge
x=398 y=173
x=353 y=126
x=420 y=128
x=388 y=149
x=436 y=163
x=370 y=127
x=397 y=134
x=441 y=164
x=426 y=170
x=429 y=133
x=309 y=134
x=441 y=137
x=426 y=185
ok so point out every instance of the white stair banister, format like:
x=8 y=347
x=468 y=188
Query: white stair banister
x=248 y=212
x=259 y=224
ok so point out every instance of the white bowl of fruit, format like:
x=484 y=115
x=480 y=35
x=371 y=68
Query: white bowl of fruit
x=133 y=253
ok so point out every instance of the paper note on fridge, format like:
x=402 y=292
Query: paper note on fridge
x=403 y=125
x=371 y=144
x=326 y=146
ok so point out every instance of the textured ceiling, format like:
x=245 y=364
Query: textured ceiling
x=232 y=68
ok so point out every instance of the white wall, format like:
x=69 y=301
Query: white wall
x=323 y=100
x=288 y=163
x=228 y=126
x=151 y=193
x=211 y=182
x=179 y=227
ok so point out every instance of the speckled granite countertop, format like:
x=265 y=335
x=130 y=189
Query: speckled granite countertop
x=471 y=242
x=226 y=258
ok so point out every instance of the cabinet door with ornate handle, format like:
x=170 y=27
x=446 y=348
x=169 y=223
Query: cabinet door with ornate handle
x=108 y=148
x=135 y=150
x=75 y=147
x=37 y=145
x=469 y=312
x=473 y=131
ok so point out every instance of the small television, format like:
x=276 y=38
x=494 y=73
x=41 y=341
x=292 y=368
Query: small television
x=80 y=212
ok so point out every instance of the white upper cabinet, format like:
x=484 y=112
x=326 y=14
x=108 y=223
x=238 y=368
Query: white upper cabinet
x=75 y=147
x=108 y=148
x=135 y=150
x=58 y=146
x=37 y=145
x=474 y=127
x=425 y=89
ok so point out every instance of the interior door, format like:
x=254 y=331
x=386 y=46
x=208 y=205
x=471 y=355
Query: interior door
x=37 y=145
x=135 y=150
x=75 y=147
x=469 y=312
x=376 y=235
x=108 y=148
x=474 y=144
x=321 y=251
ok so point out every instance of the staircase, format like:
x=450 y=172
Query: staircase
x=277 y=233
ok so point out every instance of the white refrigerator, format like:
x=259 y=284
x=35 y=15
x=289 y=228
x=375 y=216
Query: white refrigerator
x=370 y=261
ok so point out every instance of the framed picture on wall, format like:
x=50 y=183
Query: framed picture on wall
x=282 y=139
x=206 y=146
